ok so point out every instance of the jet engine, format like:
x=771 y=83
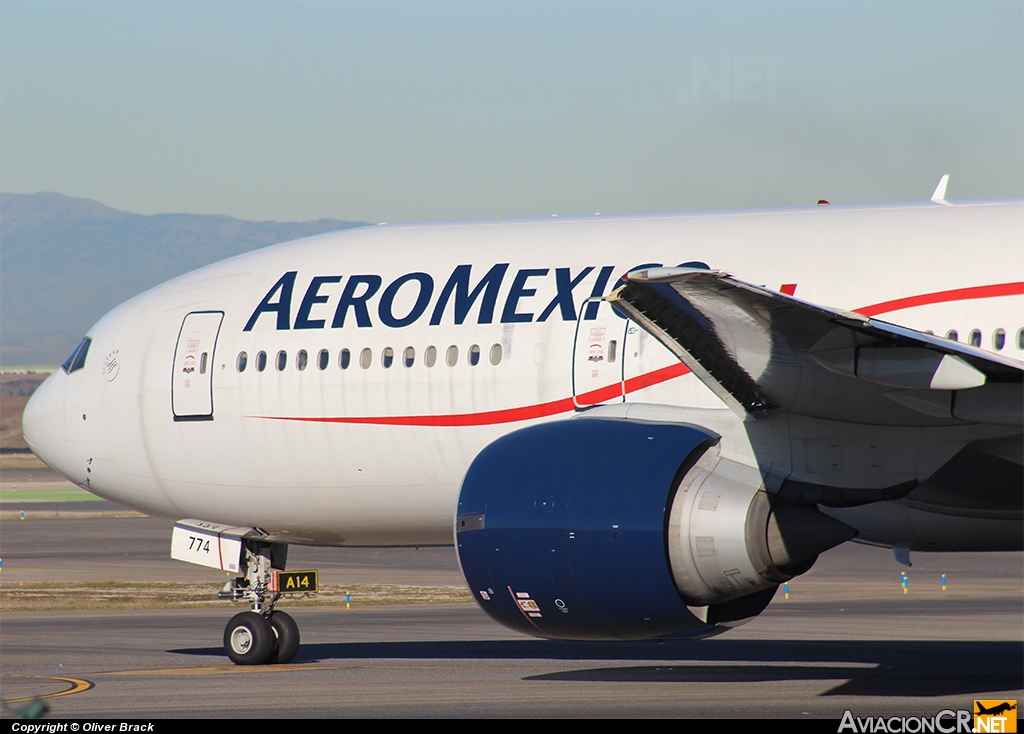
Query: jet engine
x=600 y=529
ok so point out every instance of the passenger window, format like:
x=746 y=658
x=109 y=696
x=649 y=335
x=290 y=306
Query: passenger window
x=430 y=356
x=612 y=348
x=344 y=359
x=452 y=357
x=474 y=355
x=242 y=361
x=952 y=334
x=387 y=357
x=998 y=339
x=202 y=363
x=975 y=338
x=409 y=357
x=1020 y=339
x=301 y=360
x=496 y=354
x=261 y=361
x=322 y=359
x=365 y=357
x=282 y=360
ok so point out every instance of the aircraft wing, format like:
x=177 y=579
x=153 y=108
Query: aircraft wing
x=760 y=351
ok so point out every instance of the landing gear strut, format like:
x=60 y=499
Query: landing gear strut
x=260 y=635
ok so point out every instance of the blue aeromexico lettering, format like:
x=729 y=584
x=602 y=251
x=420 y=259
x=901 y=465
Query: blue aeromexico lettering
x=564 y=300
x=282 y=290
x=459 y=284
x=457 y=298
x=302 y=320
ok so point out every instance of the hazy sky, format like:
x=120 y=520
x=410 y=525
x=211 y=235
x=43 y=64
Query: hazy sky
x=408 y=111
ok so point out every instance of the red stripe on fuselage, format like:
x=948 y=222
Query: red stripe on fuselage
x=957 y=294
x=508 y=415
x=609 y=392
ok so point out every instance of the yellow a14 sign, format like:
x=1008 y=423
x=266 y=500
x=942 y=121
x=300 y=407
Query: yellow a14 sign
x=292 y=582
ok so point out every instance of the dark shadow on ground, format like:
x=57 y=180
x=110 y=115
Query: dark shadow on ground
x=861 y=668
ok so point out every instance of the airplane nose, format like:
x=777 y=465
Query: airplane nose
x=43 y=424
x=39 y=414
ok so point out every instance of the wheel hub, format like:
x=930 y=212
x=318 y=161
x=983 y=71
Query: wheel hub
x=241 y=640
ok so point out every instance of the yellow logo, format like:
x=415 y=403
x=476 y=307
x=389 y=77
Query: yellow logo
x=995 y=716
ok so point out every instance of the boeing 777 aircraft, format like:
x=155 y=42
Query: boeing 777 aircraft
x=630 y=426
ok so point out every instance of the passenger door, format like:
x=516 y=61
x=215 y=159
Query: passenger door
x=597 y=375
x=192 y=376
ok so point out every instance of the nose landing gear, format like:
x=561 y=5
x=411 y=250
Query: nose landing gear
x=263 y=635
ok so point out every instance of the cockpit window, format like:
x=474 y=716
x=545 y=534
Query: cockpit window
x=77 y=359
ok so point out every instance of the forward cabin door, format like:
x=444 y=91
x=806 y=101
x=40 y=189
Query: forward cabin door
x=192 y=378
x=597 y=376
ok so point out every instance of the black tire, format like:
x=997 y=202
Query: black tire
x=287 y=633
x=248 y=639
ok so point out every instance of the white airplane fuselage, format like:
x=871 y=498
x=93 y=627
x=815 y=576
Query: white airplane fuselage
x=374 y=454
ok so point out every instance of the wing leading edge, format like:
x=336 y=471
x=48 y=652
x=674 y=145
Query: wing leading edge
x=762 y=351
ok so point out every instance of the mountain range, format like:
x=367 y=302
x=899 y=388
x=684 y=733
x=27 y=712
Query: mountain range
x=65 y=262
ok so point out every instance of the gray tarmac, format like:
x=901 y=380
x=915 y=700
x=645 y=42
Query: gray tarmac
x=847 y=638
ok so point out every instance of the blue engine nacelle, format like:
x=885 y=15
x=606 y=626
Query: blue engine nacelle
x=595 y=528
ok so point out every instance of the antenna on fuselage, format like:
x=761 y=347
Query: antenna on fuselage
x=939 y=195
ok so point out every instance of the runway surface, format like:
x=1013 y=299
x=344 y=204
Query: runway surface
x=847 y=638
